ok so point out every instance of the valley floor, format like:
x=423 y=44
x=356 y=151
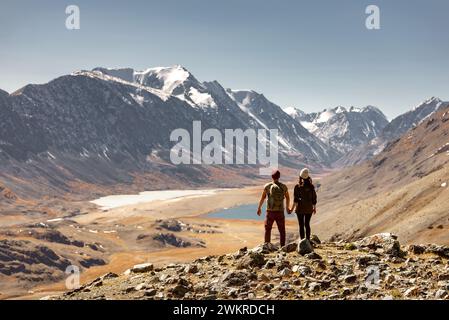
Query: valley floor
x=119 y=227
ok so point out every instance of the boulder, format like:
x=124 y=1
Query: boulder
x=141 y=268
x=290 y=247
x=416 y=249
x=305 y=247
x=191 y=268
x=265 y=248
x=235 y=278
x=252 y=259
x=181 y=288
x=386 y=241
x=302 y=270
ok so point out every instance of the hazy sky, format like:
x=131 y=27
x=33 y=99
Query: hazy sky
x=309 y=54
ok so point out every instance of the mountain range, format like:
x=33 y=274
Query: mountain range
x=112 y=126
x=341 y=128
x=360 y=133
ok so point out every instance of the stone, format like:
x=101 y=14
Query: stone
x=350 y=246
x=367 y=259
x=285 y=286
x=252 y=259
x=285 y=272
x=290 y=247
x=142 y=268
x=443 y=284
x=314 y=287
x=235 y=278
x=191 y=268
x=269 y=264
x=315 y=240
x=313 y=256
x=351 y=278
x=141 y=287
x=232 y=293
x=442 y=251
x=150 y=292
x=411 y=292
x=441 y=294
x=416 y=249
x=109 y=275
x=389 y=279
x=181 y=288
x=267 y=288
x=305 y=247
x=266 y=248
x=240 y=253
x=346 y=291
x=302 y=270
x=387 y=241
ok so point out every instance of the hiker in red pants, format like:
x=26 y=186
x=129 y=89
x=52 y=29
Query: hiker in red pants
x=275 y=192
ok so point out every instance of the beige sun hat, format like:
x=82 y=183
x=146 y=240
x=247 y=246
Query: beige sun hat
x=304 y=173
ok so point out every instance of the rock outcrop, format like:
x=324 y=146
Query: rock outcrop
x=376 y=267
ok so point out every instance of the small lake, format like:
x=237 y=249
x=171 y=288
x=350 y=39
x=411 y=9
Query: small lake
x=115 y=201
x=242 y=212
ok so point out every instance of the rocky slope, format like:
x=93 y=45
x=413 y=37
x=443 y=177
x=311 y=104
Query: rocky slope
x=403 y=189
x=376 y=267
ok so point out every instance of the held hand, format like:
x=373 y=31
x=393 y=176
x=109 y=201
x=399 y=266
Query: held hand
x=259 y=212
x=289 y=211
x=314 y=210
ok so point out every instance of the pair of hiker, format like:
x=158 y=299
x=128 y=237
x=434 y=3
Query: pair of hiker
x=304 y=204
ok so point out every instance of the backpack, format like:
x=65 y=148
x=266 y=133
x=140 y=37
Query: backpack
x=276 y=195
x=307 y=199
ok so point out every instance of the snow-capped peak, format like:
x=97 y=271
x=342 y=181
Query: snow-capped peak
x=434 y=101
x=343 y=128
x=167 y=78
x=340 y=109
x=294 y=112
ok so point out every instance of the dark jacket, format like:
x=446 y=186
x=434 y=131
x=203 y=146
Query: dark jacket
x=305 y=197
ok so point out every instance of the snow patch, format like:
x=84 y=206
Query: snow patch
x=202 y=99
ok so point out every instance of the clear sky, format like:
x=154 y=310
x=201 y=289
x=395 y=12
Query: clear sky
x=310 y=54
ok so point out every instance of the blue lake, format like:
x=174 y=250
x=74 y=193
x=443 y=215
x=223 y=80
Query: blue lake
x=243 y=212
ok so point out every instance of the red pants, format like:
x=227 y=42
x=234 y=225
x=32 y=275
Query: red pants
x=271 y=217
